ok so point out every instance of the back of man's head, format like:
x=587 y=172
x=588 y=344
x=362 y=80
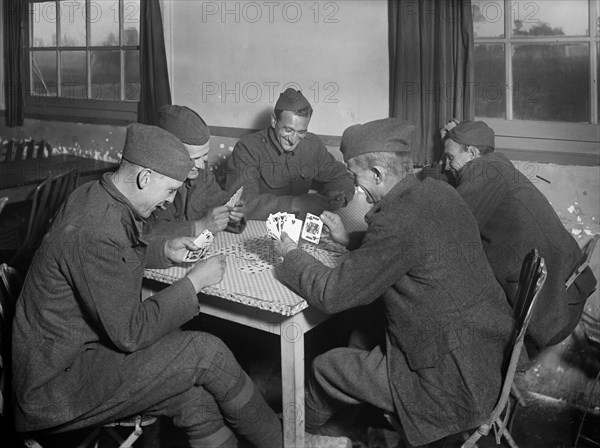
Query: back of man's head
x=294 y=101
x=154 y=148
x=474 y=133
x=185 y=124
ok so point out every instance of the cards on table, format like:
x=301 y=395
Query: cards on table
x=235 y=198
x=312 y=228
x=288 y=223
x=203 y=241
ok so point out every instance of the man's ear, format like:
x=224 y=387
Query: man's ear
x=273 y=120
x=143 y=178
x=378 y=174
x=474 y=151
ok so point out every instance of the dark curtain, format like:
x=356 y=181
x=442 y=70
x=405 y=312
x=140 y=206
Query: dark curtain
x=14 y=15
x=431 y=68
x=154 y=77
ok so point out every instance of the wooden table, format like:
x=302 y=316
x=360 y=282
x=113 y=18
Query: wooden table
x=251 y=295
x=18 y=179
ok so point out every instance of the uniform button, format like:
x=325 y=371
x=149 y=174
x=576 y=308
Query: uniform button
x=68 y=369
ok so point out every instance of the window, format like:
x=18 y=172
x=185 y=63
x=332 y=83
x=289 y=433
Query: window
x=83 y=60
x=536 y=72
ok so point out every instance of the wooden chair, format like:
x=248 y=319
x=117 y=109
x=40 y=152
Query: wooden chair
x=3 y=201
x=10 y=287
x=48 y=196
x=531 y=280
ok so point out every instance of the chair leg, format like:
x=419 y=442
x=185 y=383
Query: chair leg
x=506 y=434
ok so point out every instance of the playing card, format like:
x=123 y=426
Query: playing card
x=203 y=241
x=235 y=198
x=312 y=228
x=292 y=227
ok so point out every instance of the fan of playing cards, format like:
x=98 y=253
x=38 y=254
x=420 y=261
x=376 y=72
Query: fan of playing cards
x=288 y=223
x=233 y=201
x=203 y=241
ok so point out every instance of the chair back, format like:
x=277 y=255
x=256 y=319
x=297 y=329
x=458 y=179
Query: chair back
x=3 y=201
x=47 y=199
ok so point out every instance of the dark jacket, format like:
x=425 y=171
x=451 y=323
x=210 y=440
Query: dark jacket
x=80 y=311
x=514 y=217
x=448 y=321
x=192 y=202
x=272 y=177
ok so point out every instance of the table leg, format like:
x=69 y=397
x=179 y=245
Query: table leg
x=292 y=378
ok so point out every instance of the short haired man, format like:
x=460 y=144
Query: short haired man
x=513 y=217
x=279 y=165
x=87 y=349
x=199 y=203
x=448 y=323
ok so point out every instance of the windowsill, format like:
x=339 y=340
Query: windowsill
x=81 y=111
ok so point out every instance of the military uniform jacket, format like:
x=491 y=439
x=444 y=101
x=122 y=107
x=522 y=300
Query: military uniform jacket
x=272 y=177
x=514 y=217
x=80 y=312
x=449 y=324
x=192 y=202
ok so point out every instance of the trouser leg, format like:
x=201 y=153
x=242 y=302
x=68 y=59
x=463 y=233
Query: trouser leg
x=345 y=377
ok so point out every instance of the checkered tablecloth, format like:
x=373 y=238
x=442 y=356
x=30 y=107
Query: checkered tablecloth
x=250 y=277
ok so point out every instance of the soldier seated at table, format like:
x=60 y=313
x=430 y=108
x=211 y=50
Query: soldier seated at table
x=514 y=217
x=87 y=349
x=280 y=164
x=200 y=202
x=447 y=322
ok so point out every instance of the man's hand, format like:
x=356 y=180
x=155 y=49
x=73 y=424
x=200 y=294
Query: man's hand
x=238 y=212
x=177 y=248
x=285 y=244
x=309 y=203
x=450 y=125
x=208 y=272
x=215 y=221
x=338 y=232
x=337 y=199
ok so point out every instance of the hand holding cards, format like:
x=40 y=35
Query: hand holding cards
x=288 y=223
x=233 y=201
x=203 y=241
x=312 y=228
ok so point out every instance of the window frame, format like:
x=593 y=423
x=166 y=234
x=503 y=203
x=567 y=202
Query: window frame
x=554 y=141
x=78 y=110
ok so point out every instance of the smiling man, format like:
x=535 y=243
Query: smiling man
x=87 y=349
x=447 y=321
x=199 y=203
x=279 y=165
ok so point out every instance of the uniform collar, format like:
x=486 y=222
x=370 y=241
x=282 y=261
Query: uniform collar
x=398 y=190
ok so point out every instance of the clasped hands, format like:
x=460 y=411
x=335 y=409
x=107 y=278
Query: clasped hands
x=219 y=217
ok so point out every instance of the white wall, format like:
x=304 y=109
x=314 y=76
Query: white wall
x=229 y=60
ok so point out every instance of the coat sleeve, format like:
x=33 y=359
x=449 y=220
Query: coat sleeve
x=483 y=190
x=109 y=282
x=333 y=175
x=244 y=170
x=363 y=276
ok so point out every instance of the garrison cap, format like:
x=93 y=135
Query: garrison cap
x=472 y=133
x=386 y=135
x=291 y=100
x=185 y=124
x=157 y=149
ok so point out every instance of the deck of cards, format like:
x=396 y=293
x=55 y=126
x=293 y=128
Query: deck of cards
x=284 y=222
x=203 y=241
x=232 y=202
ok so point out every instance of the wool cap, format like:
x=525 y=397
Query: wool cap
x=157 y=149
x=291 y=100
x=473 y=133
x=386 y=135
x=185 y=124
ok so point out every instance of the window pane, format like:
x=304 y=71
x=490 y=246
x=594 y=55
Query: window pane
x=73 y=74
x=131 y=22
x=132 y=75
x=106 y=75
x=490 y=97
x=104 y=23
x=552 y=82
x=550 y=18
x=488 y=18
x=43 y=24
x=72 y=23
x=43 y=73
